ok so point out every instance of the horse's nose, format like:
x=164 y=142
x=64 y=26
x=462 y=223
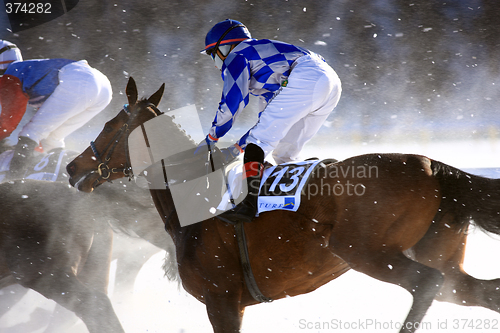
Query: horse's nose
x=71 y=169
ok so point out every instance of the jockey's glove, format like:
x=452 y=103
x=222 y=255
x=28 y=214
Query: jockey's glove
x=205 y=145
x=23 y=152
x=230 y=153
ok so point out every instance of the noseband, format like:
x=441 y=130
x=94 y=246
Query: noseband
x=103 y=169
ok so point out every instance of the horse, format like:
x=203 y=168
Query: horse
x=398 y=218
x=58 y=242
x=65 y=259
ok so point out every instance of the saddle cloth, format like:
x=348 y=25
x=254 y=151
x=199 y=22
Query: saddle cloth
x=48 y=167
x=280 y=188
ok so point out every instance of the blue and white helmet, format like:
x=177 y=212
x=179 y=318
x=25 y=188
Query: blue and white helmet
x=222 y=37
x=8 y=53
x=227 y=32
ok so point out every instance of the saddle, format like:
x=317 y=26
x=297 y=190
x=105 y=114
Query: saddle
x=199 y=184
x=281 y=187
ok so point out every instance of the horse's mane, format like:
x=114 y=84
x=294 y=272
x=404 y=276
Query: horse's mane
x=175 y=130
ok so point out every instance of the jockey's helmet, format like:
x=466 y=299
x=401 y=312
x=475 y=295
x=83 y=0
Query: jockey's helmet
x=8 y=53
x=227 y=32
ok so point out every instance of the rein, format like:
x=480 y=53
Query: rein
x=105 y=172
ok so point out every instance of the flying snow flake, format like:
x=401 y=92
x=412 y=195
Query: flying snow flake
x=304 y=10
x=319 y=42
x=24 y=196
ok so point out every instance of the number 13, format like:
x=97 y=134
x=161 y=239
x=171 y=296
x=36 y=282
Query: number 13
x=279 y=175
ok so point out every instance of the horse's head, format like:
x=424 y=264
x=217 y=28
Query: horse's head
x=107 y=157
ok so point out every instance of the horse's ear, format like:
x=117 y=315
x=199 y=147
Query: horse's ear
x=156 y=97
x=131 y=91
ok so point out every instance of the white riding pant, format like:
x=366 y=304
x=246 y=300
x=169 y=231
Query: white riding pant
x=82 y=93
x=298 y=110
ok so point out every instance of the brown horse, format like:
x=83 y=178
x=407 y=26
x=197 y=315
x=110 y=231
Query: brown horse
x=58 y=242
x=398 y=218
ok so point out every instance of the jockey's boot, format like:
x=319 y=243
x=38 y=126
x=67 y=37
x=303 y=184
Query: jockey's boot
x=23 y=152
x=253 y=167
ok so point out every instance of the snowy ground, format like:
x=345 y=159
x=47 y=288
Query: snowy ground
x=351 y=303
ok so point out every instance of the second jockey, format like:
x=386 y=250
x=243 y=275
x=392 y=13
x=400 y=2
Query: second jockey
x=67 y=94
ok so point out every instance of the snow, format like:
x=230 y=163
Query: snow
x=351 y=303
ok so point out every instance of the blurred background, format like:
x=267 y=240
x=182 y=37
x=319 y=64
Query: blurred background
x=418 y=76
x=411 y=70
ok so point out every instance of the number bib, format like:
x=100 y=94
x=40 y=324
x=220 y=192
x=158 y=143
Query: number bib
x=282 y=185
x=50 y=167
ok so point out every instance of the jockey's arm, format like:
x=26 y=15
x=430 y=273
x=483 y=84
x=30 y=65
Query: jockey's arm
x=235 y=94
x=14 y=102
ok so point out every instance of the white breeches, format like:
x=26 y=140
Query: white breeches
x=298 y=111
x=82 y=93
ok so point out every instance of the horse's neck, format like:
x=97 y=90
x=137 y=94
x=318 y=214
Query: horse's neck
x=162 y=198
x=165 y=205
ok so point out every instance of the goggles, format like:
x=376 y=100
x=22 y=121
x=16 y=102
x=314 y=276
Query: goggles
x=216 y=56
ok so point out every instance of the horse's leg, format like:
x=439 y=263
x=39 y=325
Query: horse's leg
x=225 y=312
x=443 y=247
x=94 y=274
x=93 y=307
x=382 y=259
x=50 y=269
x=421 y=281
x=463 y=289
x=62 y=286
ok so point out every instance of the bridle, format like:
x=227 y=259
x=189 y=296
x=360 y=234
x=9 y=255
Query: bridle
x=103 y=168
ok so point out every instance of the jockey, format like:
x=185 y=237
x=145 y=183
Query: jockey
x=298 y=90
x=67 y=94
